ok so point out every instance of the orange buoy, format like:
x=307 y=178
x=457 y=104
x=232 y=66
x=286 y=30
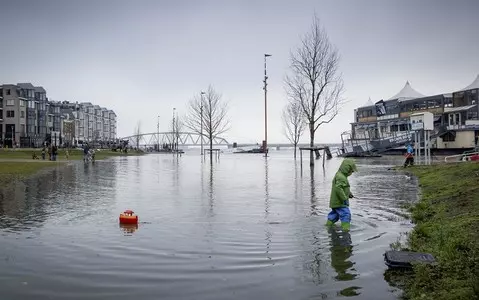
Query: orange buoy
x=128 y=217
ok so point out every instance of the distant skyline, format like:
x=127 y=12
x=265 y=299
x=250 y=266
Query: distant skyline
x=144 y=58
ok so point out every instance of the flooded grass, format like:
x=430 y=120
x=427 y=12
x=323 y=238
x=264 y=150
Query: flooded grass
x=447 y=226
x=74 y=154
x=11 y=171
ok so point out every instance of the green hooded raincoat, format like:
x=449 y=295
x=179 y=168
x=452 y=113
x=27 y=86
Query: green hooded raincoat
x=340 y=189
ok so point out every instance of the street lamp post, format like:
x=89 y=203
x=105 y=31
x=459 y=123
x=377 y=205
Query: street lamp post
x=173 y=128
x=158 y=131
x=177 y=134
x=201 y=122
x=265 y=145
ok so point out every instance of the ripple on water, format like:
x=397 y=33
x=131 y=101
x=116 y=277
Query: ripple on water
x=227 y=233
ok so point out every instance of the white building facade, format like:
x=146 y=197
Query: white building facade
x=94 y=124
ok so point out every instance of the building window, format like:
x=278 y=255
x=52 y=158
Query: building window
x=10 y=114
x=455 y=119
x=448 y=137
x=22 y=114
x=8 y=92
x=22 y=128
x=10 y=102
x=472 y=115
x=22 y=102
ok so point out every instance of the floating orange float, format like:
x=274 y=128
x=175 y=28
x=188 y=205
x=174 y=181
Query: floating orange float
x=128 y=217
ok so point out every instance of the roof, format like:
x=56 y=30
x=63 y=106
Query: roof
x=27 y=86
x=40 y=89
x=406 y=93
x=458 y=108
x=473 y=85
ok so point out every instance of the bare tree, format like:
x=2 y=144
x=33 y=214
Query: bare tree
x=207 y=116
x=177 y=126
x=294 y=123
x=315 y=82
x=137 y=134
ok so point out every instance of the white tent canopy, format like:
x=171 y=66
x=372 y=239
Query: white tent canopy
x=369 y=103
x=473 y=85
x=406 y=93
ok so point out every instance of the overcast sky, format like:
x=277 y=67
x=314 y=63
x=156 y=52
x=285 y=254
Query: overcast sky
x=142 y=58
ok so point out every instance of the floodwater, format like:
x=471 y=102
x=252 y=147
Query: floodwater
x=245 y=228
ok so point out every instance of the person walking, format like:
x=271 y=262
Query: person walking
x=409 y=156
x=340 y=195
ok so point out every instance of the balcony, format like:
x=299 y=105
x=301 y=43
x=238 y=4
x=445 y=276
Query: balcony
x=367 y=119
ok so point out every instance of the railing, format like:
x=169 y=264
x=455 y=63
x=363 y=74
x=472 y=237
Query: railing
x=462 y=157
x=469 y=126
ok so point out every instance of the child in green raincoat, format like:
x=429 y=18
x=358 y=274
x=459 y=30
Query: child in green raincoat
x=340 y=195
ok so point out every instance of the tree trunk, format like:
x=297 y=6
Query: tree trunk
x=211 y=147
x=311 y=143
x=295 y=145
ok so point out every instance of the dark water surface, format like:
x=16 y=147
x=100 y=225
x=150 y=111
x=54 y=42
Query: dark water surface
x=248 y=229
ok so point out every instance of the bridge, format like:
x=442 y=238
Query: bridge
x=146 y=140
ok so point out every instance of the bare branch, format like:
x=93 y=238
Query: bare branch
x=315 y=82
x=293 y=121
x=207 y=115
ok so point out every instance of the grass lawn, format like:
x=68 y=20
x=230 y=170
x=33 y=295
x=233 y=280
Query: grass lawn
x=73 y=154
x=447 y=226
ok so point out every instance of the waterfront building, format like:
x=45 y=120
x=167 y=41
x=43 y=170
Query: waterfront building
x=29 y=119
x=386 y=122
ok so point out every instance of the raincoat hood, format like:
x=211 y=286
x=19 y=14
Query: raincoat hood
x=347 y=167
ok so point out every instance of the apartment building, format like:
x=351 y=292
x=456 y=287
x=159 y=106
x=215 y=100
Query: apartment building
x=14 y=114
x=86 y=123
x=112 y=120
x=456 y=116
x=29 y=119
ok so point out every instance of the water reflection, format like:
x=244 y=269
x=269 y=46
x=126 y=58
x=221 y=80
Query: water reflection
x=267 y=232
x=266 y=189
x=230 y=230
x=313 y=197
x=211 y=190
x=26 y=204
x=341 y=250
x=129 y=229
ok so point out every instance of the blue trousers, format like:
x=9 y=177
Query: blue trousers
x=342 y=213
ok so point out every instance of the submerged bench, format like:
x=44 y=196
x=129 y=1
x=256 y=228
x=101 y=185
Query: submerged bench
x=406 y=259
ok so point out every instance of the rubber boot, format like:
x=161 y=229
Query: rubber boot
x=329 y=223
x=345 y=226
